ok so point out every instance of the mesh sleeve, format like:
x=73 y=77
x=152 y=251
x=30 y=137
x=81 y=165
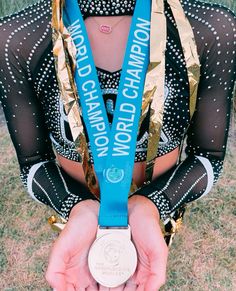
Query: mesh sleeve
x=45 y=181
x=208 y=131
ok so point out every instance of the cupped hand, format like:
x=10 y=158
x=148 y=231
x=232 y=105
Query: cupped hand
x=150 y=245
x=68 y=266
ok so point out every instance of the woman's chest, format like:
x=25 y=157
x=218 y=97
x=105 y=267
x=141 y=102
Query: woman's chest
x=176 y=106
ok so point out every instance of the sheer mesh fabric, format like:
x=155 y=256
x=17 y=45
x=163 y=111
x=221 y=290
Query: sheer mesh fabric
x=24 y=112
x=214 y=29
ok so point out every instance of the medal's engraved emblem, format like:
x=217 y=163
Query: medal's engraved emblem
x=114 y=175
x=112 y=259
x=112 y=253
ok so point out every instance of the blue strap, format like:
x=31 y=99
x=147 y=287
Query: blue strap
x=113 y=149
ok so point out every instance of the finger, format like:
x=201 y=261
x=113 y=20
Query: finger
x=154 y=283
x=71 y=287
x=141 y=288
x=92 y=287
x=130 y=286
x=103 y=288
x=56 y=276
x=119 y=288
x=158 y=263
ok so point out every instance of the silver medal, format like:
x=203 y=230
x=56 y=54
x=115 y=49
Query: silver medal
x=112 y=257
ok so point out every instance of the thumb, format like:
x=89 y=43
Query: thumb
x=55 y=274
x=56 y=281
x=157 y=277
x=158 y=262
x=154 y=283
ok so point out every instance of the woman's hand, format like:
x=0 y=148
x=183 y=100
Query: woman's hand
x=151 y=248
x=68 y=266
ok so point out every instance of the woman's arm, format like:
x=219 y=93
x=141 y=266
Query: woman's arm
x=207 y=134
x=24 y=39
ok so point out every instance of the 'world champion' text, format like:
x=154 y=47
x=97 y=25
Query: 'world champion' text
x=128 y=108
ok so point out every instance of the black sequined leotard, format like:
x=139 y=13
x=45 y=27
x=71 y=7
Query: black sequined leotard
x=36 y=120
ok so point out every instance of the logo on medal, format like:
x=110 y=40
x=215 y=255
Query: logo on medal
x=112 y=257
x=114 y=175
x=112 y=253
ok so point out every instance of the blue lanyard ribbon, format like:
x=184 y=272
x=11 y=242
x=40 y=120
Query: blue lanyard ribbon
x=113 y=149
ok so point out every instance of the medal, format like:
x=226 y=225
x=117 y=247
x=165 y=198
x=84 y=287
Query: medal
x=112 y=257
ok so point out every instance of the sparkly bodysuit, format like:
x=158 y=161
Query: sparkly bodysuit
x=36 y=119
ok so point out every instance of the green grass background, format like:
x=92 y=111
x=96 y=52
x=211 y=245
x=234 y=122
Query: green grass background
x=202 y=257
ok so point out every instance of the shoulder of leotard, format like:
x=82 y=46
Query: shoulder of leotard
x=26 y=17
x=207 y=10
x=23 y=30
x=211 y=22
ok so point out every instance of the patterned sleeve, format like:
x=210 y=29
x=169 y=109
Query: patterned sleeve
x=46 y=182
x=214 y=28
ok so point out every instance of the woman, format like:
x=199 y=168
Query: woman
x=36 y=119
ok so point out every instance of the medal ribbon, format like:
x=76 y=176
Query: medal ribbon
x=113 y=149
x=65 y=60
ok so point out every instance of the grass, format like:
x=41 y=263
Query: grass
x=9 y=6
x=203 y=254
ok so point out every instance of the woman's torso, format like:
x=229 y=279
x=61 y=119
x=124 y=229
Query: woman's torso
x=108 y=51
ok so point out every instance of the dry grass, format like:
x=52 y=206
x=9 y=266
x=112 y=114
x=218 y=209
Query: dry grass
x=25 y=237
